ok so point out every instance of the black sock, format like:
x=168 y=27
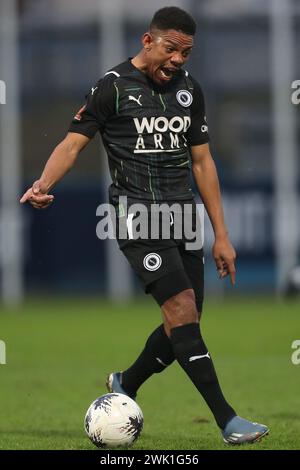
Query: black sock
x=156 y=356
x=188 y=347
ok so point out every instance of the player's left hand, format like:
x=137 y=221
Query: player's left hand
x=224 y=255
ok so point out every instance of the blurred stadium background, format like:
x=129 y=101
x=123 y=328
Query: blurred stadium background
x=246 y=58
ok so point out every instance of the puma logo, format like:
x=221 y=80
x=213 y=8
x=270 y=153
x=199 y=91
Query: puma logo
x=194 y=358
x=132 y=98
x=161 y=362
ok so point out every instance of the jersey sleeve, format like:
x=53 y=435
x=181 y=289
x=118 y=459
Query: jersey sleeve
x=198 y=131
x=100 y=104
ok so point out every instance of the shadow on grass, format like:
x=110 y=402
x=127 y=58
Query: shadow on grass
x=80 y=441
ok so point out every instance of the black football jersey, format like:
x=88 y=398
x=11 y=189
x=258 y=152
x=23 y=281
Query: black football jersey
x=147 y=131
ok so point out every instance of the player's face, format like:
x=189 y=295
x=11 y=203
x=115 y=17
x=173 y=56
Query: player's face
x=166 y=52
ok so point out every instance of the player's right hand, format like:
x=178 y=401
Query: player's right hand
x=37 y=196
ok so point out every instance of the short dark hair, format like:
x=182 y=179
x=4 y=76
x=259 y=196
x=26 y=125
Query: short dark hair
x=173 y=18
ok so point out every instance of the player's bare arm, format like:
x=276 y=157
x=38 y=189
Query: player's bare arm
x=59 y=163
x=206 y=177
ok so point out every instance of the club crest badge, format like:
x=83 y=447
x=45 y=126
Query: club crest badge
x=184 y=98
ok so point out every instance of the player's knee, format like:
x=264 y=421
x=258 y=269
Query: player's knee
x=180 y=309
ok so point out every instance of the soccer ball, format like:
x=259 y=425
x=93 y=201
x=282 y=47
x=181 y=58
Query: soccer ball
x=113 y=420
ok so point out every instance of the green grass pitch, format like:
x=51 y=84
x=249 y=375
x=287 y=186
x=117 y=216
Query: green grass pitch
x=60 y=351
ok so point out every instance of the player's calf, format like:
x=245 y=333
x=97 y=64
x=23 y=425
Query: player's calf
x=181 y=316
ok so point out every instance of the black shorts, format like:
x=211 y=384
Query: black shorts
x=166 y=267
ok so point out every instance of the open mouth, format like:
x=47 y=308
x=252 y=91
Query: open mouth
x=167 y=73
